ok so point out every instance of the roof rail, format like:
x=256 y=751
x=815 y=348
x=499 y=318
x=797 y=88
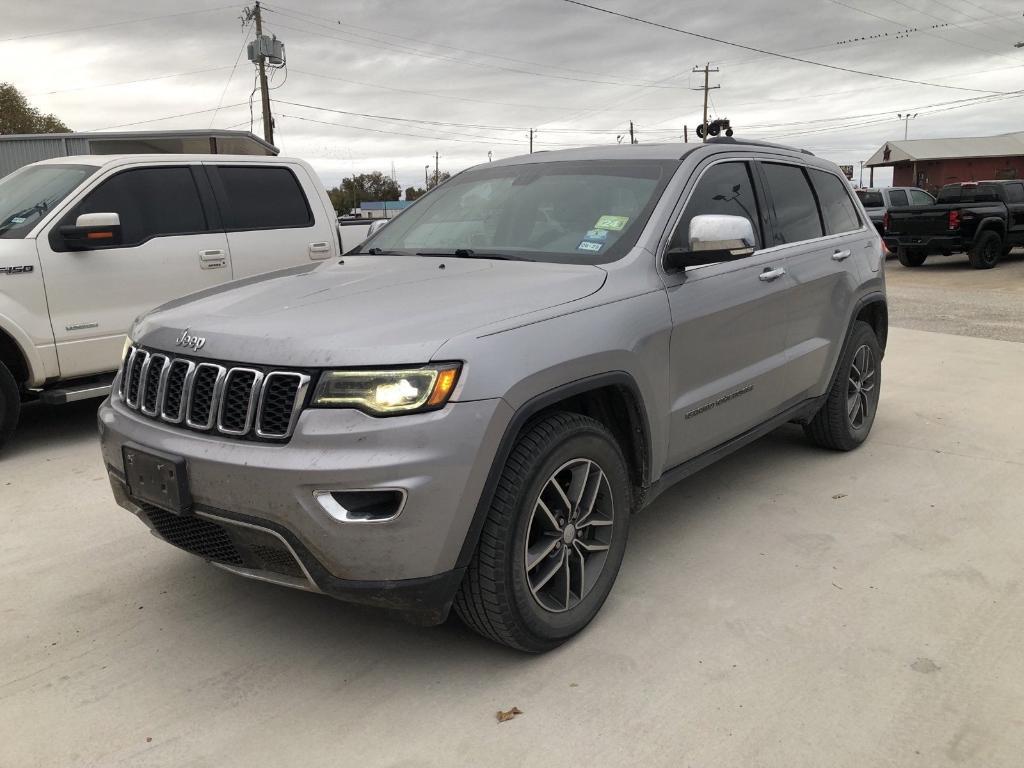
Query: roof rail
x=751 y=142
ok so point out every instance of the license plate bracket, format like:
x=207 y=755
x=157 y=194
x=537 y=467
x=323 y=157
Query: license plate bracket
x=157 y=479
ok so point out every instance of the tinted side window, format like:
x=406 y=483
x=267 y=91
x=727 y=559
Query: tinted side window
x=151 y=202
x=725 y=189
x=836 y=206
x=1014 y=193
x=898 y=198
x=917 y=197
x=262 y=198
x=796 y=214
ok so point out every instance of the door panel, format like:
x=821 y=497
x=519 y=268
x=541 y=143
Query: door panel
x=273 y=217
x=728 y=356
x=825 y=277
x=94 y=295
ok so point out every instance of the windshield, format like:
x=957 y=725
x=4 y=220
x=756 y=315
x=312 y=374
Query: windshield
x=586 y=212
x=31 y=192
x=870 y=198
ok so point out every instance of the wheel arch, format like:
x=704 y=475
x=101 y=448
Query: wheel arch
x=14 y=358
x=613 y=398
x=990 y=224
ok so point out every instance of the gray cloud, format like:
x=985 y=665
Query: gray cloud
x=509 y=67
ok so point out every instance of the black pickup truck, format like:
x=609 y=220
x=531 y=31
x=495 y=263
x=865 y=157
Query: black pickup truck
x=984 y=218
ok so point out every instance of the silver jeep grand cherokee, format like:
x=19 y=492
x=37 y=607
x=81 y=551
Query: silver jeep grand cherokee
x=466 y=410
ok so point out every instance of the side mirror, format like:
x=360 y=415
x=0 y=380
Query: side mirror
x=376 y=227
x=713 y=238
x=92 y=230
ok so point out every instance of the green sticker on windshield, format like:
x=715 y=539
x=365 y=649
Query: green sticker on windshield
x=612 y=222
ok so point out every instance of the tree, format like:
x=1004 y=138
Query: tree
x=18 y=116
x=441 y=180
x=414 y=193
x=363 y=187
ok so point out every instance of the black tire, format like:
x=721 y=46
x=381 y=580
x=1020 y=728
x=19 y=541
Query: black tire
x=495 y=598
x=988 y=247
x=911 y=258
x=10 y=404
x=834 y=426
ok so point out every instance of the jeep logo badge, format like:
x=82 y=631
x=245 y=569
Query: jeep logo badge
x=191 y=342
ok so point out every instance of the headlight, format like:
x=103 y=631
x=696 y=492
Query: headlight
x=128 y=344
x=388 y=392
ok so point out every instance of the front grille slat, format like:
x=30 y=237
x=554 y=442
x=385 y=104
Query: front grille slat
x=237 y=401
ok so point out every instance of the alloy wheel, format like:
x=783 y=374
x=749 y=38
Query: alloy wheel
x=569 y=534
x=859 y=400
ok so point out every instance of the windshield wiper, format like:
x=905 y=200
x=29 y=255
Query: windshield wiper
x=469 y=253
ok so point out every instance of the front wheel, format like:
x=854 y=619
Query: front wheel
x=845 y=419
x=554 y=537
x=986 y=251
x=10 y=404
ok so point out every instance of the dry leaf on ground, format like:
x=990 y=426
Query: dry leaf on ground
x=509 y=714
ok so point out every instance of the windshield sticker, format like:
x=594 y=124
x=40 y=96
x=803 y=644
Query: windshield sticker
x=587 y=245
x=18 y=220
x=597 y=235
x=612 y=222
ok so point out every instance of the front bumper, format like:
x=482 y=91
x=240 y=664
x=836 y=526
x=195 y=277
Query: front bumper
x=262 y=495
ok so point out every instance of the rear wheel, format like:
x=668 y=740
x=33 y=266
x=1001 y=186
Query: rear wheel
x=10 y=404
x=986 y=251
x=845 y=419
x=554 y=537
x=911 y=258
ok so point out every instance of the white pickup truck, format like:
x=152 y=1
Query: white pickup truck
x=88 y=243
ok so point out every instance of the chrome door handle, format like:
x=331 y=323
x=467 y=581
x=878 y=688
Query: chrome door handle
x=319 y=250
x=841 y=255
x=771 y=274
x=212 y=259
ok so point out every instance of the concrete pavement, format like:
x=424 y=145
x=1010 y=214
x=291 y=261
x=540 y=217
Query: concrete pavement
x=786 y=607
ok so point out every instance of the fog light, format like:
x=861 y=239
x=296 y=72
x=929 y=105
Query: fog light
x=377 y=506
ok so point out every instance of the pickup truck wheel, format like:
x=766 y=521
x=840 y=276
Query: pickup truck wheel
x=986 y=251
x=845 y=419
x=554 y=537
x=911 y=258
x=10 y=404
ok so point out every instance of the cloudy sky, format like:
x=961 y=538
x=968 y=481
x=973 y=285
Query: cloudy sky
x=470 y=78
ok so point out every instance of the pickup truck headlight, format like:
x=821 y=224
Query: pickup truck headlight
x=388 y=392
x=128 y=344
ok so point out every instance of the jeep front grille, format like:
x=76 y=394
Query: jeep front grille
x=239 y=401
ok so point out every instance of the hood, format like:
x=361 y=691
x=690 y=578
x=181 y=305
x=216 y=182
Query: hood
x=364 y=310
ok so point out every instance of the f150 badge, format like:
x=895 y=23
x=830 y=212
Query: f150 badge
x=191 y=342
x=17 y=270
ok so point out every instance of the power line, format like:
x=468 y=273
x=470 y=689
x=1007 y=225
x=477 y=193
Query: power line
x=338 y=22
x=245 y=40
x=787 y=57
x=115 y=23
x=376 y=44
x=166 y=117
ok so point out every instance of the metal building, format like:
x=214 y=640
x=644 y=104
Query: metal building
x=931 y=163
x=21 y=149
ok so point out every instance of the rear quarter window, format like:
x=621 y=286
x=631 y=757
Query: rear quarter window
x=261 y=197
x=837 y=208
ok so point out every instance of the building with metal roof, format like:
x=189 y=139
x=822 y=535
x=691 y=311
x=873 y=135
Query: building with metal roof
x=21 y=149
x=930 y=163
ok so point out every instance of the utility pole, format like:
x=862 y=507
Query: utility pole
x=631 y=139
x=437 y=166
x=531 y=141
x=426 y=177
x=906 y=122
x=707 y=70
x=268 y=121
x=686 y=135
